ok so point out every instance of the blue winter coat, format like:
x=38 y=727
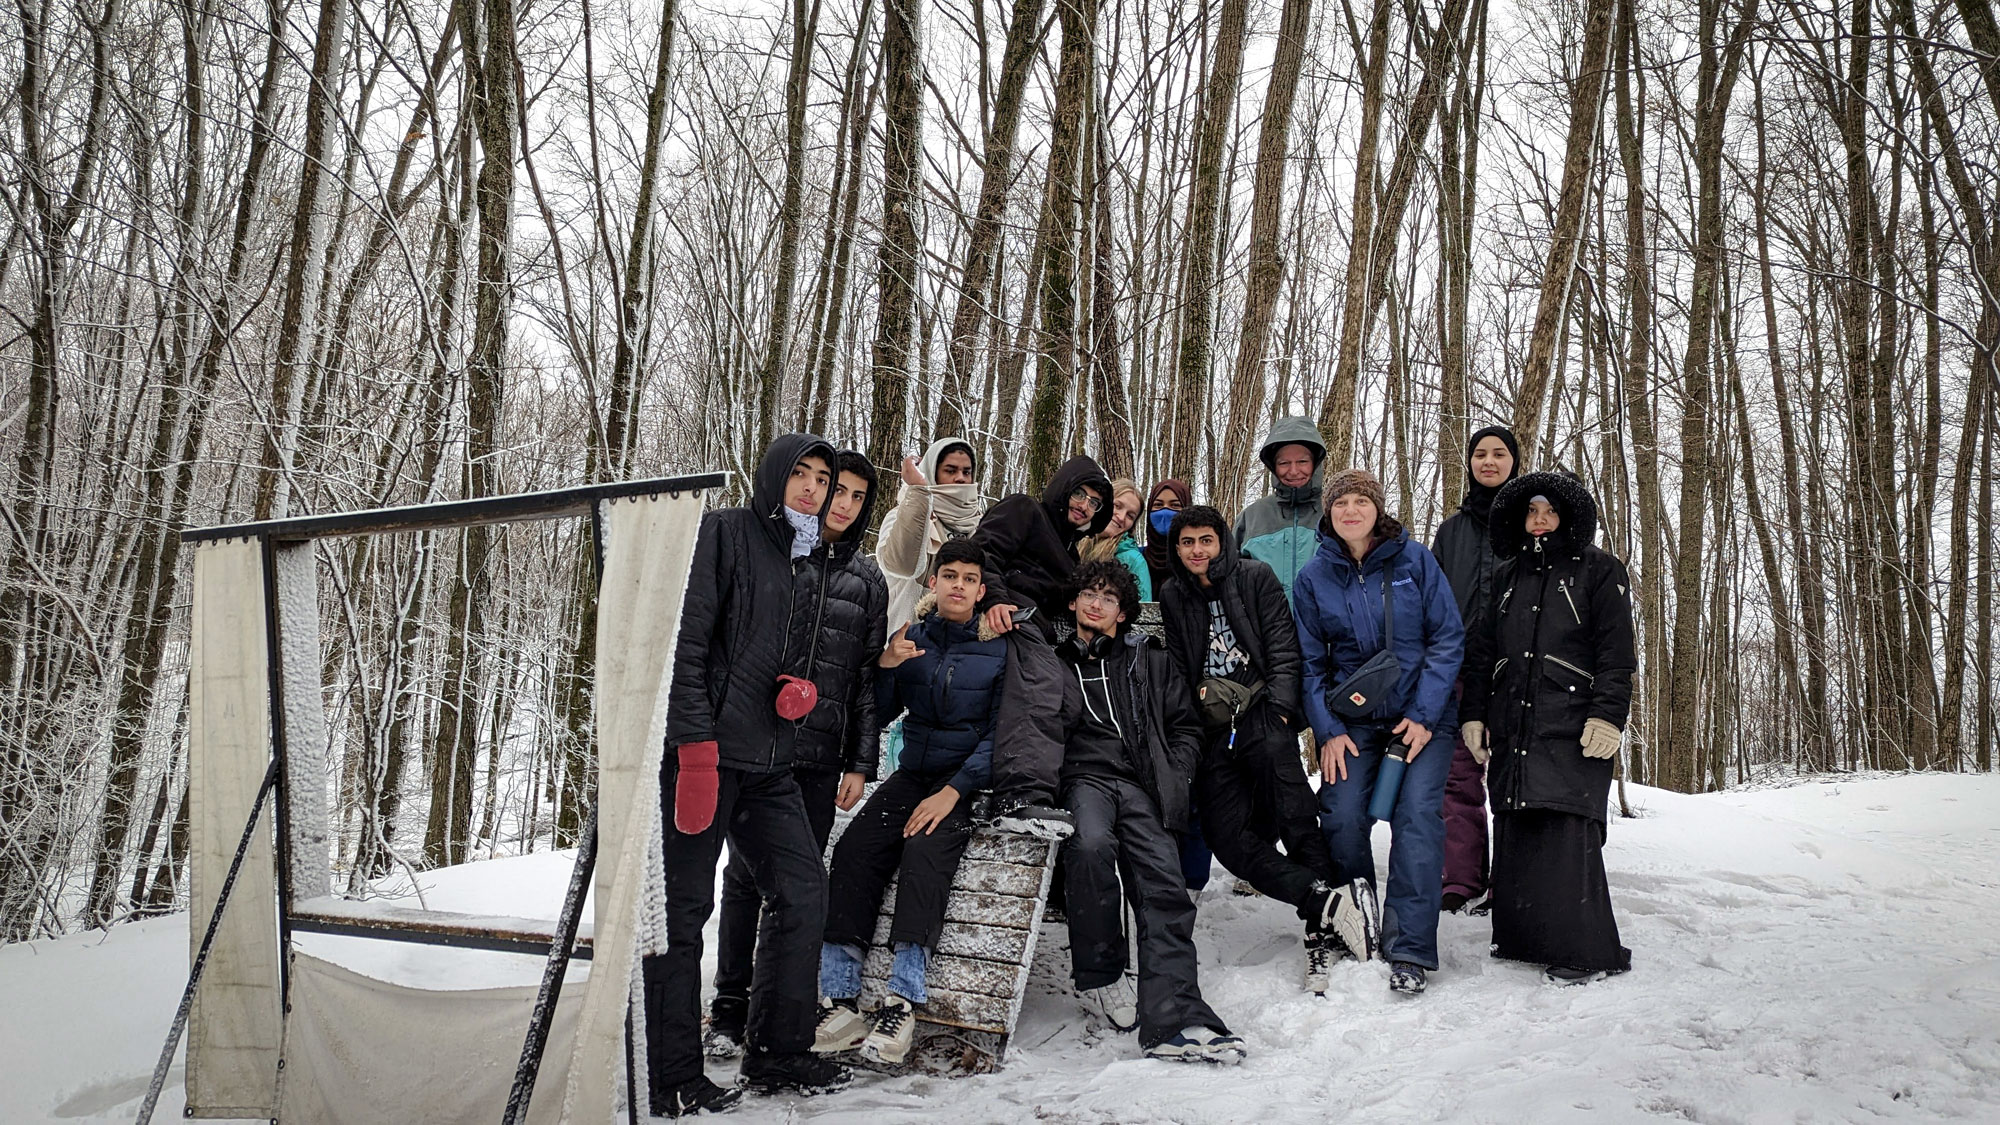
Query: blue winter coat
x=952 y=694
x=1338 y=604
x=1135 y=561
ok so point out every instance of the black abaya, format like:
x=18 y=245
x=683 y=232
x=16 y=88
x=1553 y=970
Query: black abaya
x=1551 y=900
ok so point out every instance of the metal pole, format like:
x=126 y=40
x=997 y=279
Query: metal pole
x=552 y=976
x=166 y=1062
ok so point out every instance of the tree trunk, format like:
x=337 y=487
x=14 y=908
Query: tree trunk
x=1055 y=365
x=791 y=212
x=902 y=184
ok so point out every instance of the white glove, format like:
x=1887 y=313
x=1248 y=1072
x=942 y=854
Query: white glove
x=1474 y=735
x=1600 y=739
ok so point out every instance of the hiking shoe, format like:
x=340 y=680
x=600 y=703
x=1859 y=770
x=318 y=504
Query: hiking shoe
x=723 y=1039
x=1116 y=1004
x=1483 y=907
x=1200 y=1044
x=892 y=1028
x=1563 y=976
x=1348 y=915
x=1242 y=887
x=696 y=1095
x=841 y=1027
x=1042 y=821
x=799 y=1073
x=1451 y=903
x=1319 y=962
x=1406 y=977
x=1455 y=903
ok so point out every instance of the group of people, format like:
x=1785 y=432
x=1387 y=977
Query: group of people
x=991 y=654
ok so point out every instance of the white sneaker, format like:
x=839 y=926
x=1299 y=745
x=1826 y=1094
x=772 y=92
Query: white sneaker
x=841 y=1027
x=1349 y=914
x=1200 y=1044
x=892 y=1029
x=1319 y=964
x=1116 y=1004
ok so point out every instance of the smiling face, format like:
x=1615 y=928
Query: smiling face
x=1293 y=464
x=1084 y=504
x=805 y=491
x=850 y=495
x=1198 y=547
x=954 y=468
x=958 y=586
x=1542 y=518
x=1353 y=516
x=1124 y=513
x=1097 y=610
x=1492 y=462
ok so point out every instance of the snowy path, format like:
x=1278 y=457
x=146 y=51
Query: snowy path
x=1826 y=952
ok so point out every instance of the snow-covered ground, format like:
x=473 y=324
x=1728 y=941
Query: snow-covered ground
x=1824 y=952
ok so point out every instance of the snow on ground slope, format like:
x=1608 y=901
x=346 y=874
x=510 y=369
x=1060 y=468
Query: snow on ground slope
x=1824 y=952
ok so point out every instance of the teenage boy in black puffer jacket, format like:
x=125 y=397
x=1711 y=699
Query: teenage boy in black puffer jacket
x=839 y=739
x=945 y=669
x=1126 y=771
x=1226 y=619
x=728 y=776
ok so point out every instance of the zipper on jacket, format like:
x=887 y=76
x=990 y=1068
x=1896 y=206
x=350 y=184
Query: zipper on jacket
x=1564 y=587
x=1553 y=659
x=1502 y=663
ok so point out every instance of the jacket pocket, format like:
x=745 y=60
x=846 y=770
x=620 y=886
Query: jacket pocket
x=1571 y=669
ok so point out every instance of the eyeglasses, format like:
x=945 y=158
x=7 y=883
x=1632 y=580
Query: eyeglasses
x=1105 y=598
x=1090 y=498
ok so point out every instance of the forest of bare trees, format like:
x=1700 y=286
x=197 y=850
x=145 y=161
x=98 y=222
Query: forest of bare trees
x=1734 y=262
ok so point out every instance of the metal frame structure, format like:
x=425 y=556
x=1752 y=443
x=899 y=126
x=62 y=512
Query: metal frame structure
x=298 y=740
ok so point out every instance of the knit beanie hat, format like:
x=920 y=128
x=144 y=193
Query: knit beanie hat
x=1355 y=480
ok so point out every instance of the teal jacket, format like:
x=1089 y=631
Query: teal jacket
x=1282 y=529
x=1135 y=561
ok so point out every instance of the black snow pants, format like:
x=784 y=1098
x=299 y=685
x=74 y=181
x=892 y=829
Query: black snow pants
x=736 y=931
x=1255 y=791
x=873 y=850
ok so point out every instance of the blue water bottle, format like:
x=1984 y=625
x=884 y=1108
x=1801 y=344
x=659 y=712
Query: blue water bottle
x=1388 y=780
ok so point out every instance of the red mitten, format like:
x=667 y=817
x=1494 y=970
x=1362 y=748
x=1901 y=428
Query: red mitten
x=695 y=787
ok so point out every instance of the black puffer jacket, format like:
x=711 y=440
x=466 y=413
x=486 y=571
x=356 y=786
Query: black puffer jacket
x=1555 y=650
x=842 y=732
x=749 y=617
x=1254 y=601
x=1464 y=546
x=1164 y=742
x=1030 y=545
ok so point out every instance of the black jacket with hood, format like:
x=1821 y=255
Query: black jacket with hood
x=1555 y=649
x=1464 y=543
x=842 y=732
x=1155 y=710
x=1030 y=544
x=751 y=614
x=1254 y=601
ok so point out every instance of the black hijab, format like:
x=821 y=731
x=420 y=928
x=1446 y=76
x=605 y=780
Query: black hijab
x=1478 y=498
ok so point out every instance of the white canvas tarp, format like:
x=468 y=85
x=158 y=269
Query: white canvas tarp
x=360 y=1051
x=233 y=1031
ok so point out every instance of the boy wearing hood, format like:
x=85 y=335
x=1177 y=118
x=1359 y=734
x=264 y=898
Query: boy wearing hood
x=939 y=502
x=738 y=702
x=1230 y=632
x=1133 y=741
x=839 y=739
x=1464 y=550
x=1281 y=529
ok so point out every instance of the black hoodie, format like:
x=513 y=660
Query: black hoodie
x=1556 y=650
x=1030 y=544
x=750 y=615
x=1254 y=601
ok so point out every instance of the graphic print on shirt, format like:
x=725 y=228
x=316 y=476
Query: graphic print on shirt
x=1225 y=657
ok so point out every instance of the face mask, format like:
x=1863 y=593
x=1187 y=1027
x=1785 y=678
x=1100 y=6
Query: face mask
x=1162 y=520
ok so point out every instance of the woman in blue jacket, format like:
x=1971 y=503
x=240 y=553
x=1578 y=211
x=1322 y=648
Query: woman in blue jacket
x=1339 y=600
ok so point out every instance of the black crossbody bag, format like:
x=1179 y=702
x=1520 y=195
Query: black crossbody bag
x=1361 y=694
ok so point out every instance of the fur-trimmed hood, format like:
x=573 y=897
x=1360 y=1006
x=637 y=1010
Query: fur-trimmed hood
x=1508 y=529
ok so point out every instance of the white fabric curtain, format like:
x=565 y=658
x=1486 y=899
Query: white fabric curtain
x=234 y=1029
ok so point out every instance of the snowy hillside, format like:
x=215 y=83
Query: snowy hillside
x=1825 y=952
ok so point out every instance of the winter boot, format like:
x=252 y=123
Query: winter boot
x=1319 y=962
x=1043 y=821
x=1243 y=888
x=1406 y=977
x=1348 y=916
x=800 y=1073
x=696 y=1095
x=892 y=1028
x=1451 y=903
x=1116 y=1004
x=1200 y=1044
x=841 y=1027
x=1564 y=976
x=726 y=1017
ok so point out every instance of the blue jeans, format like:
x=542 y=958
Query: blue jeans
x=1416 y=836
x=840 y=971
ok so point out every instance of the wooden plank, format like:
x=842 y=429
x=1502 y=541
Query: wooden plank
x=976 y=907
x=989 y=943
x=1014 y=880
x=954 y=974
x=1008 y=847
x=968 y=1010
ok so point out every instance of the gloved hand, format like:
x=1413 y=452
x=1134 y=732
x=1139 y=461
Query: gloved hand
x=1600 y=739
x=1474 y=734
x=696 y=787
